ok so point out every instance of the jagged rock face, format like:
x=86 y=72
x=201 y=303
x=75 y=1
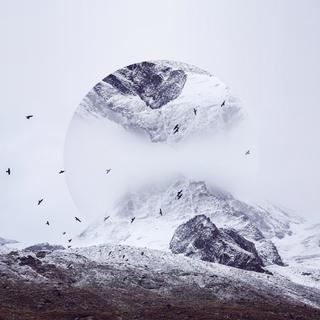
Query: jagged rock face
x=268 y=252
x=155 y=84
x=152 y=98
x=200 y=238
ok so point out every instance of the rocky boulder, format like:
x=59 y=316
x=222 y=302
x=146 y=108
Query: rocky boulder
x=200 y=238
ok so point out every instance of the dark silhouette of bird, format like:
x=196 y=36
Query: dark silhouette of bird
x=142 y=253
x=179 y=194
x=77 y=219
x=176 y=129
x=39 y=202
x=106 y=218
x=69 y=247
x=123 y=256
x=63 y=232
x=247 y=153
x=195 y=111
x=47 y=223
x=69 y=240
x=160 y=212
x=109 y=253
x=61 y=171
x=29 y=116
x=132 y=219
x=8 y=171
x=108 y=170
x=223 y=103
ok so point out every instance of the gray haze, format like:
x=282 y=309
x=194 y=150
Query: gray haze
x=53 y=52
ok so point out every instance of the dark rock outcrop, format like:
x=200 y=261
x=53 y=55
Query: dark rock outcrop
x=201 y=239
x=156 y=85
x=43 y=247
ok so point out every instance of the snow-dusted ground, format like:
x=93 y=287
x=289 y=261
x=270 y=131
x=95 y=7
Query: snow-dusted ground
x=301 y=253
x=154 y=270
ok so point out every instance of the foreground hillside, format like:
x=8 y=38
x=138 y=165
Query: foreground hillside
x=122 y=282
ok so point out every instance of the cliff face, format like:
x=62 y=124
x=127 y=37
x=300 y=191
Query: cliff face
x=155 y=84
x=200 y=238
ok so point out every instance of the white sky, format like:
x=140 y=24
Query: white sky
x=53 y=52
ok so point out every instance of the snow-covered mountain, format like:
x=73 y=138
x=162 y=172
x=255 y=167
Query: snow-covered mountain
x=154 y=229
x=166 y=101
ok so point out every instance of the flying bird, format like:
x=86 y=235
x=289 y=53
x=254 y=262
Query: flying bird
x=61 y=171
x=108 y=170
x=195 y=111
x=223 y=103
x=69 y=247
x=160 y=212
x=69 y=240
x=29 y=116
x=179 y=194
x=63 y=232
x=176 y=129
x=106 y=218
x=247 y=153
x=47 y=223
x=39 y=202
x=132 y=219
x=77 y=219
x=8 y=171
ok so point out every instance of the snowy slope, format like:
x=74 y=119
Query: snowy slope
x=301 y=254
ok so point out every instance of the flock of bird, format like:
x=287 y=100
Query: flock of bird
x=9 y=171
x=178 y=196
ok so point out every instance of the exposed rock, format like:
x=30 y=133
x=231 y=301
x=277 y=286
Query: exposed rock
x=155 y=84
x=43 y=247
x=30 y=261
x=268 y=252
x=41 y=254
x=200 y=238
